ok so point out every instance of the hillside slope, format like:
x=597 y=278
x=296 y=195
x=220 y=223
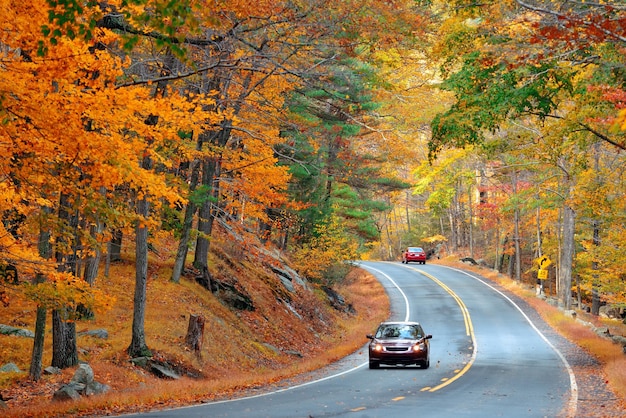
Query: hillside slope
x=285 y=327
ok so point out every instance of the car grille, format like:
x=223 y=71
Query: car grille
x=396 y=349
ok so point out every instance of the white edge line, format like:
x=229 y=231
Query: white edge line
x=573 y=402
x=406 y=300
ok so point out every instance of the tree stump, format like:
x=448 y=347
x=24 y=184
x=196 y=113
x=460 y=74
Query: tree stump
x=195 y=333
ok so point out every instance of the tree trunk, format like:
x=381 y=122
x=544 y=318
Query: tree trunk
x=567 y=258
x=190 y=210
x=64 y=349
x=195 y=333
x=36 y=362
x=38 y=344
x=205 y=221
x=115 y=247
x=471 y=221
x=138 y=346
x=516 y=238
x=595 y=294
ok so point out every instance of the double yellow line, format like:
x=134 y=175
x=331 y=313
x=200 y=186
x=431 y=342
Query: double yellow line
x=469 y=330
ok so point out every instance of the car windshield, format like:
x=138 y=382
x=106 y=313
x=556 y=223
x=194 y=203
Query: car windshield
x=399 y=331
x=414 y=249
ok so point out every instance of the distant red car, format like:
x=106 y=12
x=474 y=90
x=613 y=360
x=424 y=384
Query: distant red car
x=414 y=254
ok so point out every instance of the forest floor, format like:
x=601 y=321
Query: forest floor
x=599 y=365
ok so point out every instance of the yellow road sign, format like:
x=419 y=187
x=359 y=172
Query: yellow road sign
x=542 y=274
x=544 y=262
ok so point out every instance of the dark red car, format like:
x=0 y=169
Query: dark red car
x=402 y=343
x=414 y=254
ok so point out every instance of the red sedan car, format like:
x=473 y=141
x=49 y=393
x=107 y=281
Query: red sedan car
x=403 y=343
x=414 y=254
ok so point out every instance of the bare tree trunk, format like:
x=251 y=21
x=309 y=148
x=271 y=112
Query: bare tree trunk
x=567 y=258
x=64 y=349
x=190 y=210
x=115 y=247
x=595 y=294
x=36 y=362
x=138 y=346
x=496 y=263
x=195 y=333
x=516 y=238
x=471 y=222
x=406 y=209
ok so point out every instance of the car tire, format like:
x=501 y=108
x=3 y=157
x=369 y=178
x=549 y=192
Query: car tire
x=425 y=364
x=374 y=365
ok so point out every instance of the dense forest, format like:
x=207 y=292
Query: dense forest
x=333 y=131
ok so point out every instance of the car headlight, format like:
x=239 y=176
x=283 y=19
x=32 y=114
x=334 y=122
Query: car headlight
x=419 y=347
x=377 y=347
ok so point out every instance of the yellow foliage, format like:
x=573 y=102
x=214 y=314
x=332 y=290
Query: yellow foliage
x=67 y=292
x=330 y=248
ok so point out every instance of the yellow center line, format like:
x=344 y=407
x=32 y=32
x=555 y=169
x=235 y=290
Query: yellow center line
x=469 y=330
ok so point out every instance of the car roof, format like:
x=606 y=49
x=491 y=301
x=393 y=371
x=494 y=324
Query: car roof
x=399 y=323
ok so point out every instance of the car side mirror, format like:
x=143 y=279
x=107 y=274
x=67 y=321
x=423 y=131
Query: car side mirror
x=370 y=336
x=428 y=337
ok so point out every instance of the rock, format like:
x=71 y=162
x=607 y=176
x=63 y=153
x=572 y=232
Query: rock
x=96 y=388
x=271 y=347
x=469 y=260
x=52 y=370
x=618 y=339
x=18 y=332
x=603 y=331
x=66 y=393
x=610 y=311
x=163 y=371
x=97 y=333
x=294 y=353
x=337 y=301
x=10 y=368
x=140 y=361
x=83 y=375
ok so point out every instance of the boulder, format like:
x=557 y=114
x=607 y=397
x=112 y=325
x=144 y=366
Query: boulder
x=164 y=372
x=66 y=393
x=10 y=368
x=52 y=370
x=82 y=383
x=140 y=361
x=97 y=333
x=83 y=375
x=603 y=332
x=18 y=332
x=96 y=388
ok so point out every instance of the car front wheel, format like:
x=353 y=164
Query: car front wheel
x=374 y=365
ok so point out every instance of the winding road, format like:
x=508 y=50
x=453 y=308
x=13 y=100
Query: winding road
x=487 y=360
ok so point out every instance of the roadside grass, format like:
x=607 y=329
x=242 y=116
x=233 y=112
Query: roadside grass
x=232 y=357
x=609 y=354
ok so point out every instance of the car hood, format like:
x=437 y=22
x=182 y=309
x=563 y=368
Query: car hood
x=397 y=341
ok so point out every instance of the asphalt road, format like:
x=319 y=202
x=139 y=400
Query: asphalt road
x=487 y=360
